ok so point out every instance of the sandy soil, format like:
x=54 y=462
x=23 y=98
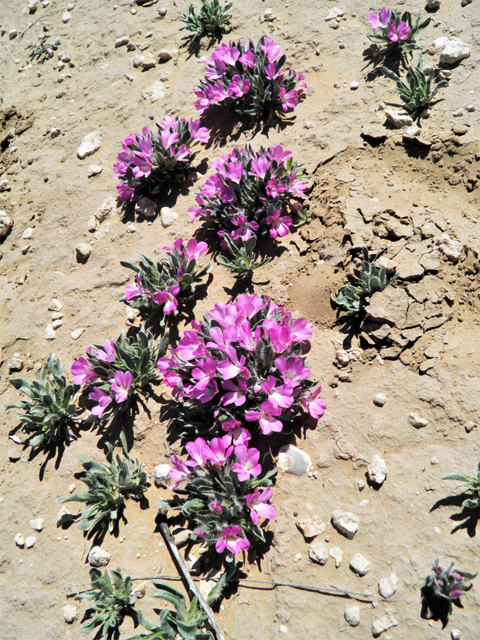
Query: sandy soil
x=433 y=371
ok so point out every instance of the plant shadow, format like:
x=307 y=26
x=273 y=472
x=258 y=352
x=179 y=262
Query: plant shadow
x=435 y=607
x=376 y=58
x=467 y=518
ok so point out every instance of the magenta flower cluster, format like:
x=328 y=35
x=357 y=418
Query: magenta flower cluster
x=243 y=362
x=250 y=78
x=249 y=192
x=394 y=30
x=151 y=161
x=225 y=494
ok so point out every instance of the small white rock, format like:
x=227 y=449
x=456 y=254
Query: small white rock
x=377 y=470
x=334 y=13
x=318 y=553
x=15 y=363
x=77 y=333
x=69 y=613
x=155 y=92
x=450 y=248
x=27 y=234
x=342 y=357
x=337 y=555
x=94 y=170
x=471 y=107
x=49 y=332
x=456 y=635
x=92 y=224
x=120 y=42
x=411 y=132
x=388 y=586
x=71 y=488
x=107 y=210
x=90 y=144
x=57 y=323
x=13 y=33
x=283 y=629
x=5 y=186
x=66 y=17
x=311 y=527
x=102 y=231
x=55 y=305
x=398 y=119
x=19 y=540
x=140 y=590
x=293 y=460
x=416 y=421
x=130 y=228
x=297 y=557
x=433 y=4
x=36 y=524
x=64 y=516
x=164 y=55
x=453 y=51
x=161 y=475
x=352 y=615
x=345 y=522
x=381 y=625
x=6 y=224
x=354 y=85
x=360 y=565
x=333 y=24
x=83 y=251
x=380 y=399
x=30 y=541
x=98 y=557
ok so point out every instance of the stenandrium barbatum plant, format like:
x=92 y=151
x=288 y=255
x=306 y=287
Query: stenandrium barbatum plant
x=251 y=79
x=395 y=30
x=243 y=362
x=353 y=298
x=243 y=261
x=160 y=288
x=210 y=20
x=113 y=601
x=152 y=161
x=121 y=371
x=420 y=89
x=48 y=419
x=221 y=499
x=473 y=484
x=108 y=488
x=184 y=622
x=446 y=584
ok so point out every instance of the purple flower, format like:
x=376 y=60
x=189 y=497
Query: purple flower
x=180 y=470
x=216 y=507
x=260 y=167
x=247 y=464
x=103 y=399
x=142 y=167
x=204 y=373
x=196 y=451
x=380 y=20
x=271 y=49
x=232 y=540
x=280 y=225
x=313 y=405
x=266 y=417
x=456 y=593
x=289 y=99
x=121 y=385
x=238 y=87
x=256 y=502
x=239 y=434
x=248 y=59
x=292 y=369
x=168 y=299
x=205 y=395
x=125 y=192
x=399 y=33
x=108 y=353
x=168 y=139
x=244 y=227
x=233 y=367
x=280 y=396
x=236 y=393
x=277 y=153
x=220 y=449
x=197 y=132
x=82 y=371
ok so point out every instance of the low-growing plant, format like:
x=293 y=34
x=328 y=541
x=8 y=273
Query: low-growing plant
x=249 y=192
x=395 y=30
x=353 y=298
x=109 y=486
x=41 y=50
x=49 y=418
x=419 y=89
x=151 y=162
x=472 y=483
x=243 y=362
x=121 y=371
x=251 y=79
x=445 y=584
x=184 y=622
x=113 y=600
x=160 y=288
x=221 y=499
x=243 y=262
x=212 y=18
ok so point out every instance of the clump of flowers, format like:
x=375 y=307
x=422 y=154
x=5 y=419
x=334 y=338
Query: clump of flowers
x=117 y=373
x=251 y=79
x=226 y=493
x=160 y=288
x=445 y=584
x=395 y=29
x=152 y=160
x=243 y=362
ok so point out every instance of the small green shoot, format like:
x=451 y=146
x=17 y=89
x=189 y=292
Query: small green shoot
x=244 y=262
x=212 y=18
x=472 y=483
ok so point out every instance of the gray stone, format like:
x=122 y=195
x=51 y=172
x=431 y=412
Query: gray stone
x=66 y=17
x=352 y=615
x=311 y=527
x=333 y=24
x=36 y=524
x=416 y=421
x=382 y=624
x=6 y=224
x=92 y=224
x=162 y=12
x=471 y=107
x=148 y=61
x=77 y=333
x=337 y=555
x=380 y=399
x=334 y=13
x=90 y=144
x=458 y=113
x=13 y=33
x=49 y=332
x=360 y=565
x=19 y=540
x=433 y=4
x=345 y=522
x=469 y=426
x=377 y=470
x=181 y=536
x=318 y=553
x=455 y=633
x=164 y=55
x=450 y=248
x=146 y=207
x=453 y=51
x=27 y=234
x=161 y=475
x=4 y=186
x=389 y=305
x=430 y=261
x=293 y=460
x=107 y=210
x=30 y=541
x=137 y=60
x=15 y=363
x=411 y=132
x=387 y=587
x=83 y=251
x=141 y=589
x=410 y=270
x=69 y=613
x=94 y=170
x=398 y=119
x=98 y=557
x=32 y=6
x=64 y=517
x=120 y=42
x=155 y=92
x=55 y=305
